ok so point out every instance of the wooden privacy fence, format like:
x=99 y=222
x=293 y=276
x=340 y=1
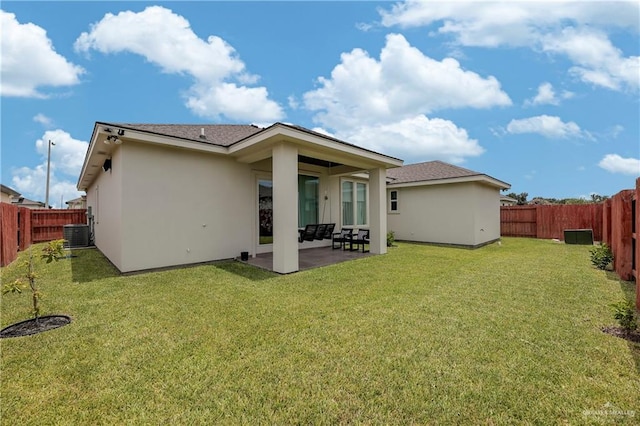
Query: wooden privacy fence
x=47 y=225
x=545 y=221
x=615 y=222
x=8 y=233
x=20 y=227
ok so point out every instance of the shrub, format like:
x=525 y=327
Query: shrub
x=601 y=256
x=391 y=238
x=625 y=313
x=53 y=251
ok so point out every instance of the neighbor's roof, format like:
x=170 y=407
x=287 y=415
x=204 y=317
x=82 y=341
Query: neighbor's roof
x=27 y=202
x=7 y=190
x=434 y=172
x=216 y=134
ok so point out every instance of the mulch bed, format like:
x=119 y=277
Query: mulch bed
x=620 y=332
x=31 y=326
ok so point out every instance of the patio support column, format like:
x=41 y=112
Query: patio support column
x=378 y=210
x=285 y=208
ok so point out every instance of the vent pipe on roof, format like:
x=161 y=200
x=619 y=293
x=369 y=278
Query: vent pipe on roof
x=202 y=135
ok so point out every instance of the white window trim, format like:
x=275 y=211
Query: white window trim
x=397 y=200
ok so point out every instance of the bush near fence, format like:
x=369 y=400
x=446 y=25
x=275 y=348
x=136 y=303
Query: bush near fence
x=20 y=227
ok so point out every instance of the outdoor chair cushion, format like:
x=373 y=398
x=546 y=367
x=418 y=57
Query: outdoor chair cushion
x=360 y=239
x=342 y=238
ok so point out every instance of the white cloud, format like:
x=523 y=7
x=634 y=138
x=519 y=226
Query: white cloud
x=596 y=60
x=564 y=27
x=167 y=40
x=42 y=119
x=515 y=23
x=382 y=103
x=548 y=126
x=67 y=156
x=29 y=60
x=547 y=96
x=403 y=82
x=416 y=138
x=616 y=164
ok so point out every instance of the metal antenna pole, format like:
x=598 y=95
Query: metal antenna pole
x=46 y=201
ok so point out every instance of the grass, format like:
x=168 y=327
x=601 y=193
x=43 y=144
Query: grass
x=422 y=335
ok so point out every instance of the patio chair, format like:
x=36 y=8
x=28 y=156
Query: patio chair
x=320 y=230
x=342 y=238
x=308 y=233
x=360 y=239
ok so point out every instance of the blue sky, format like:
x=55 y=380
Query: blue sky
x=542 y=95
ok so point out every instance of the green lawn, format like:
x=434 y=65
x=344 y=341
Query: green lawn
x=423 y=335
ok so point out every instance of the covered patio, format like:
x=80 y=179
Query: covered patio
x=310 y=258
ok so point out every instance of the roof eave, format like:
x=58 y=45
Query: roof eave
x=309 y=139
x=481 y=178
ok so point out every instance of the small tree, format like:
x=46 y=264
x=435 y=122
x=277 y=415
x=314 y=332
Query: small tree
x=53 y=251
x=520 y=198
x=625 y=313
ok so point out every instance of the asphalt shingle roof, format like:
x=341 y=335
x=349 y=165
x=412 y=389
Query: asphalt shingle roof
x=215 y=134
x=431 y=170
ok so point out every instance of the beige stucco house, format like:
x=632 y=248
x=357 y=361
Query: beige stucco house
x=507 y=201
x=436 y=202
x=7 y=194
x=249 y=190
x=77 y=203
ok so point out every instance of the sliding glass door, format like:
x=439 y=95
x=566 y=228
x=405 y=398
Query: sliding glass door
x=265 y=211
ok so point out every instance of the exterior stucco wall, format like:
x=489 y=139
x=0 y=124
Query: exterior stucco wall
x=460 y=214
x=182 y=207
x=105 y=199
x=486 y=213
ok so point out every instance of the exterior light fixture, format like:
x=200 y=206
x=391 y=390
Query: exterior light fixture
x=112 y=139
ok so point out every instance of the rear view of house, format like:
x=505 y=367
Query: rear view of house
x=166 y=195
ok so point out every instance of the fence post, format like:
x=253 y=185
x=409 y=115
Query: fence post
x=8 y=233
x=621 y=238
x=24 y=226
x=606 y=222
x=636 y=241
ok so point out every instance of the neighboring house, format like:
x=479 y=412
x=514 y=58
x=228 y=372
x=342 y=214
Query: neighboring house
x=77 y=203
x=507 y=201
x=25 y=202
x=436 y=202
x=249 y=189
x=7 y=194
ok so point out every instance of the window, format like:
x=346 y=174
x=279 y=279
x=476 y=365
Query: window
x=347 y=203
x=361 y=207
x=265 y=211
x=354 y=203
x=308 y=196
x=393 y=201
